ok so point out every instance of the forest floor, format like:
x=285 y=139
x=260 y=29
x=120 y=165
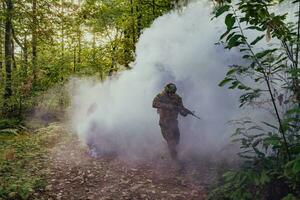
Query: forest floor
x=70 y=173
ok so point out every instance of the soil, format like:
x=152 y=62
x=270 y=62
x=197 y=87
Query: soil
x=75 y=175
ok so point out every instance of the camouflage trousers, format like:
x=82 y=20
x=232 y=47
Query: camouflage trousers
x=170 y=132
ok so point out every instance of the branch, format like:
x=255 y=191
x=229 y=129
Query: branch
x=288 y=52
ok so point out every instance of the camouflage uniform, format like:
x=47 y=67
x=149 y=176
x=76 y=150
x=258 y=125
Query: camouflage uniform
x=168 y=107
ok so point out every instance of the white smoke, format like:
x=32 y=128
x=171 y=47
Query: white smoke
x=117 y=115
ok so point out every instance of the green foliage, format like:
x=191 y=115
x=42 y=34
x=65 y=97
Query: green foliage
x=17 y=182
x=270 y=149
x=12 y=126
x=9 y=123
x=23 y=160
x=55 y=40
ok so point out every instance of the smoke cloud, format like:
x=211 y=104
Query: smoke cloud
x=116 y=116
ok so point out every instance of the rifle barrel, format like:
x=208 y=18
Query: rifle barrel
x=196 y=116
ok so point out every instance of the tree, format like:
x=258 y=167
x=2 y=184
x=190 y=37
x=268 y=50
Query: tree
x=34 y=38
x=48 y=41
x=8 y=49
x=2 y=6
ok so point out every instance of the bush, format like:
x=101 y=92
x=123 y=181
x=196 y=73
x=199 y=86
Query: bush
x=270 y=149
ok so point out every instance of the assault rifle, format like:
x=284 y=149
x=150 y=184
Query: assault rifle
x=189 y=112
x=179 y=108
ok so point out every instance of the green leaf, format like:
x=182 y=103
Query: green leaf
x=291 y=119
x=295 y=149
x=246 y=56
x=242 y=50
x=234 y=41
x=230 y=36
x=290 y=197
x=272 y=140
x=222 y=10
x=257 y=39
x=256 y=142
x=264 y=178
x=264 y=53
x=229 y=21
x=225 y=81
x=243 y=87
x=294 y=72
x=255 y=28
x=224 y=34
x=231 y=71
x=296 y=166
x=293 y=111
x=234 y=84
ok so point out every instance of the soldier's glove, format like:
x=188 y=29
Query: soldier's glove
x=185 y=112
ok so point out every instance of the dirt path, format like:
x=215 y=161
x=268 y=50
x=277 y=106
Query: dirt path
x=74 y=175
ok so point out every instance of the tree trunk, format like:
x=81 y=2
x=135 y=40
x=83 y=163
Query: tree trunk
x=127 y=50
x=79 y=46
x=94 y=57
x=153 y=8
x=8 y=50
x=25 y=52
x=297 y=89
x=139 y=18
x=2 y=6
x=113 y=62
x=74 y=58
x=62 y=30
x=133 y=23
x=94 y=47
x=14 y=64
x=34 y=40
x=79 y=36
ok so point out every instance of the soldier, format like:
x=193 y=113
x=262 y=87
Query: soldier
x=169 y=105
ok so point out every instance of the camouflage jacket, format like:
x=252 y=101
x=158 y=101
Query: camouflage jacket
x=168 y=107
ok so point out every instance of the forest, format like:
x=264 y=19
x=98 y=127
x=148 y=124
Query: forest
x=49 y=48
x=43 y=43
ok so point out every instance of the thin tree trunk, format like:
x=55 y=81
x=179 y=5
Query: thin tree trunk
x=139 y=18
x=62 y=30
x=14 y=64
x=2 y=6
x=34 y=40
x=74 y=59
x=126 y=49
x=94 y=47
x=133 y=23
x=79 y=37
x=113 y=62
x=62 y=42
x=25 y=52
x=20 y=106
x=79 y=46
x=153 y=8
x=8 y=51
x=297 y=56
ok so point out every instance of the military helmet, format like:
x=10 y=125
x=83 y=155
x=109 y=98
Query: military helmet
x=171 y=88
